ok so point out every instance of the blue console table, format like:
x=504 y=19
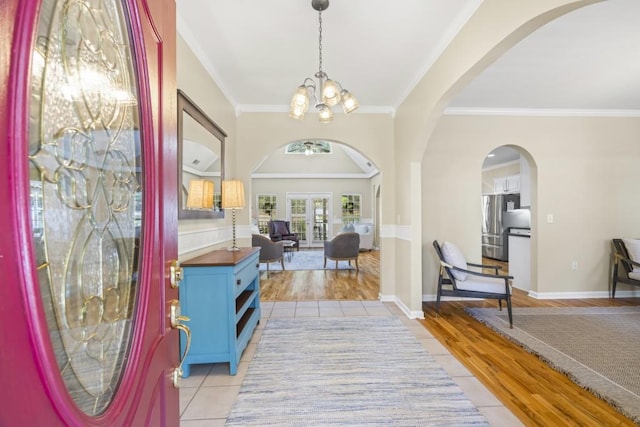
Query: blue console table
x=220 y=293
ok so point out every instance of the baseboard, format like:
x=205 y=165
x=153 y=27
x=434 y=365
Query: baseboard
x=394 y=299
x=583 y=295
x=552 y=295
x=433 y=297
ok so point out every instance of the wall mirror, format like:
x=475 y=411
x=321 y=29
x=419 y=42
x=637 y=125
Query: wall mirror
x=200 y=162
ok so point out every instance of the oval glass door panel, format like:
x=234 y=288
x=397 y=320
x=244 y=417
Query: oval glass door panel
x=85 y=163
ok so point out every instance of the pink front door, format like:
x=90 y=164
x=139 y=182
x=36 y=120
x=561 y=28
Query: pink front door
x=88 y=224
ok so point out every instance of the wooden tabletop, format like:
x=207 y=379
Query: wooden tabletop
x=220 y=257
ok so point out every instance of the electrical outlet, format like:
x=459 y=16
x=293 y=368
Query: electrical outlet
x=549 y=218
x=574 y=265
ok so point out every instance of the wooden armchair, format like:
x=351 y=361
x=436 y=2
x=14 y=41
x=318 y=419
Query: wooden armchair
x=455 y=279
x=625 y=269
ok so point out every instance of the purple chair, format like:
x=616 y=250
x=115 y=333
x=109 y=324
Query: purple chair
x=279 y=230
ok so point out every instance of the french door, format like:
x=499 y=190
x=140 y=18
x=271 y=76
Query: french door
x=310 y=214
x=90 y=315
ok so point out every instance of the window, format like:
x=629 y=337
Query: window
x=217 y=201
x=308 y=147
x=350 y=208
x=266 y=211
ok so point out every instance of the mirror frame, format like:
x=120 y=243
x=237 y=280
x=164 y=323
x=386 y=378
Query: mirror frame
x=187 y=106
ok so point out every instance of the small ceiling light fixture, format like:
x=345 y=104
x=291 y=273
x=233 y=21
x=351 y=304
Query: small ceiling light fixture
x=308 y=150
x=327 y=92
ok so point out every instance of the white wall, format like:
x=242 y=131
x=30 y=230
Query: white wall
x=587 y=177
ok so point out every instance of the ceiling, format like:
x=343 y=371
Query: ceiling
x=258 y=52
x=500 y=156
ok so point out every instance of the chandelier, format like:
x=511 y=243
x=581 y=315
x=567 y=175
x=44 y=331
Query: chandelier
x=326 y=92
x=311 y=148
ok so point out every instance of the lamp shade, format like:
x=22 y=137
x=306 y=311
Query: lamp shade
x=325 y=115
x=200 y=194
x=296 y=113
x=349 y=102
x=330 y=93
x=300 y=99
x=232 y=194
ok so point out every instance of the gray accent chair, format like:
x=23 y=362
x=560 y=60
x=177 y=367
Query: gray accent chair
x=269 y=251
x=456 y=280
x=343 y=247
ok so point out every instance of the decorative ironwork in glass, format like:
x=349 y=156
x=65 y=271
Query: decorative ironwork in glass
x=85 y=163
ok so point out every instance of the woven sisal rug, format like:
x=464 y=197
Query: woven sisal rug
x=351 y=371
x=597 y=347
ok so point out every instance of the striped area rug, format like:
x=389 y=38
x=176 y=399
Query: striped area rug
x=355 y=371
x=597 y=347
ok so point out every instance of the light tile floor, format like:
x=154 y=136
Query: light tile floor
x=207 y=396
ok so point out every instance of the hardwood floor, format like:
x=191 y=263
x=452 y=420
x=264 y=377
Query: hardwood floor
x=324 y=284
x=535 y=393
x=504 y=266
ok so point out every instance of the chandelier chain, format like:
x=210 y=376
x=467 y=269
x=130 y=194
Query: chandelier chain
x=320 y=40
x=327 y=92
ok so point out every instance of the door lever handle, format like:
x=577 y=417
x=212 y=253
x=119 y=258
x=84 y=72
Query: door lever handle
x=176 y=320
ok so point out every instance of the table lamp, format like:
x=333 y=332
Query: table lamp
x=233 y=198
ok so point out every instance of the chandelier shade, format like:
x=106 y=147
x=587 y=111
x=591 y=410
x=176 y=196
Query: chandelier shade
x=330 y=93
x=327 y=93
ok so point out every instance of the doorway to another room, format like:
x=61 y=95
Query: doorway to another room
x=506 y=214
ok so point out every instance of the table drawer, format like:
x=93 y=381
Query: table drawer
x=246 y=273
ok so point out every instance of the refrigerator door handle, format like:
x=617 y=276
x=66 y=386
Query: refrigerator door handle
x=486 y=216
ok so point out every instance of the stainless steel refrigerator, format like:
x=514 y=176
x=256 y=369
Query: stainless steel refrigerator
x=495 y=224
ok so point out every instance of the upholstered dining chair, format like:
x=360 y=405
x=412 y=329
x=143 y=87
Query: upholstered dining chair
x=269 y=251
x=343 y=247
x=279 y=230
x=457 y=280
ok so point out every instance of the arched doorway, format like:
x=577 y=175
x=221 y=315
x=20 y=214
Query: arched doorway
x=507 y=209
x=320 y=194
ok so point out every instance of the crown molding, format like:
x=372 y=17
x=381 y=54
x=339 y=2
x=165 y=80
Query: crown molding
x=194 y=44
x=452 y=31
x=539 y=112
x=501 y=165
x=314 y=175
x=248 y=108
